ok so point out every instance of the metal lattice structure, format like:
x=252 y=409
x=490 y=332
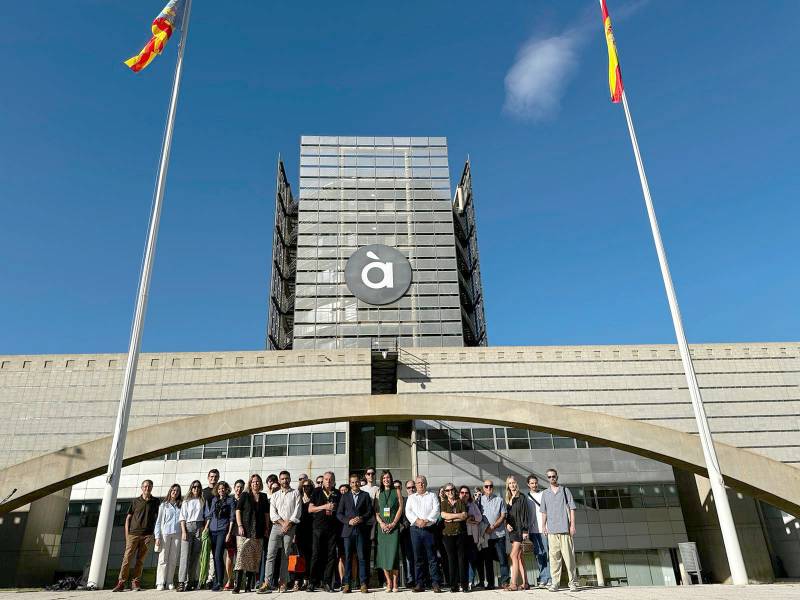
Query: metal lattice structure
x=469 y=268
x=280 y=323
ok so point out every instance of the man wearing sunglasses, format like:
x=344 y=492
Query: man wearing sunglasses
x=406 y=547
x=493 y=508
x=558 y=523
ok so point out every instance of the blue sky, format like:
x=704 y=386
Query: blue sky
x=566 y=251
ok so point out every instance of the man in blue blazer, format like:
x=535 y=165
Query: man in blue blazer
x=354 y=512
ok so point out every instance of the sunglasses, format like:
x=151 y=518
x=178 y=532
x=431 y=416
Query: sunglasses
x=409 y=487
x=448 y=490
x=487 y=487
x=370 y=473
x=195 y=487
x=552 y=476
x=463 y=493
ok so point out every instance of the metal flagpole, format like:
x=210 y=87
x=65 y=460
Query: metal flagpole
x=105 y=524
x=729 y=537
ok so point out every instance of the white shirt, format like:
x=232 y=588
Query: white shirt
x=372 y=490
x=168 y=521
x=192 y=510
x=286 y=505
x=534 y=508
x=425 y=506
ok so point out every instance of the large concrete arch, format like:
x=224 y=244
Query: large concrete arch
x=753 y=474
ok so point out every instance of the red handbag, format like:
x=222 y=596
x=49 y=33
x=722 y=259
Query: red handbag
x=297 y=564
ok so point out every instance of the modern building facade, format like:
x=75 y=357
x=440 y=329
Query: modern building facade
x=346 y=329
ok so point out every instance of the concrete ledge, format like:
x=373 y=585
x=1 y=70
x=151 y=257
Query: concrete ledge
x=755 y=475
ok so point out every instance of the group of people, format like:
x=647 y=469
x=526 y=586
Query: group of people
x=320 y=536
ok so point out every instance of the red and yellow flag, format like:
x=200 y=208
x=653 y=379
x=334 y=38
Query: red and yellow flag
x=614 y=73
x=163 y=26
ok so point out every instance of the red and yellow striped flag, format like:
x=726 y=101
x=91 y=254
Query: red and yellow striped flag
x=614 y=73
x=163 y=26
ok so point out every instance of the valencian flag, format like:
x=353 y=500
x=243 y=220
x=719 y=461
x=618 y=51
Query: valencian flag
x=614 y=73
x=163 y=26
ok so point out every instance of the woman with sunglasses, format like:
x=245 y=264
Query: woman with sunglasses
x=192 y=524
x=454 y=533
x=304 y=535
x=475 y=539
x=388 y=512
x=230 y=545
x=517 y=528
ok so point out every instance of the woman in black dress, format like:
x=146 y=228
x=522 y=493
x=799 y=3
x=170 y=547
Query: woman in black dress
x=252 y=518
x=517 y=528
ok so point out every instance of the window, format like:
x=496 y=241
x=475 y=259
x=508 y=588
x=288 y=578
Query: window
x=239 y=447
x=190 y=453
x=563 y=442
x=438 y=440
x=258 y=445
x=341 y=442
x=541 y=440
x=275 y=444
x=299 y=444
x=483 y=438
x=500 y=438
x=517 y=439
x=216 y=449
x=322 y=443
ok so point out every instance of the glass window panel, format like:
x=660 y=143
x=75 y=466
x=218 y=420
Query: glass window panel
x=517 y=433
x=518 y=444
x=274 y=451
x=341 y=448
x=275 y=439
x=323 y=438
x=300 y=450
x=216 y=449
x=190 y=453
x=322 y=448
x=563 y=442
x=299 y=438
x=438 y=439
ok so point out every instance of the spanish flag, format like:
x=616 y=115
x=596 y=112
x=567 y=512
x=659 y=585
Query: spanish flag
x=163 y=26
x=614 y=73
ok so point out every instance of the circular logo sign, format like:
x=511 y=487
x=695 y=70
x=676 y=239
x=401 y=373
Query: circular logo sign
x=377 y=274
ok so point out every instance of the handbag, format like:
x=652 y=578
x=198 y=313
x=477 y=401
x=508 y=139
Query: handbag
x=297 y=564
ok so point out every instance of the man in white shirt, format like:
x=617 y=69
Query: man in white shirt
x=538 y=539
x=422 y=511
x=285 y=507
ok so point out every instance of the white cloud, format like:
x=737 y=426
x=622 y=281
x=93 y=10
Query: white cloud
x=536 y=81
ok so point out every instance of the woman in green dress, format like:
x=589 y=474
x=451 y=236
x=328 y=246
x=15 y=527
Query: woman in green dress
x=388 y=511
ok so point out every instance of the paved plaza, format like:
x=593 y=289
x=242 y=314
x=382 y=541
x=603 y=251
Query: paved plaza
x=785 y=591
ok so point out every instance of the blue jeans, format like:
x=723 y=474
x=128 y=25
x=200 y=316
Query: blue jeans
x=496 y=549
x=540 y=550
x=218 y=552
x=425 y=551
x=355 y=541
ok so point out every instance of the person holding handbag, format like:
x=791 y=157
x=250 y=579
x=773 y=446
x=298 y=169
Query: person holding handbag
x=252 y=520
x=388 y=512
x=168 y=537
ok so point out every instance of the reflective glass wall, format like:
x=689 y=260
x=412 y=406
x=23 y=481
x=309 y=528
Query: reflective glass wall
x=356 y=191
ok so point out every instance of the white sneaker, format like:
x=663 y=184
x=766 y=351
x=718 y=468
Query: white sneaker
x=160 y=587
x=172 y=586
x=573 y=587
x=553 y=588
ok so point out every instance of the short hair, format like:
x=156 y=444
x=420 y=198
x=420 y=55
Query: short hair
x=272 y=477
x=354 y=476
x=424 y=479
x=531 y=476
x=150 y=481
x=551 y=469
x=331 y=473
x=239 y=481
x=282 y=473
x=215 y=471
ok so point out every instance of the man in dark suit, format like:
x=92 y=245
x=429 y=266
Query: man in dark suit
x=354 y=512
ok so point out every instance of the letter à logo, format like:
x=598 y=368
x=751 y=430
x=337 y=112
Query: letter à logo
x=377 y=274
x=387 y=281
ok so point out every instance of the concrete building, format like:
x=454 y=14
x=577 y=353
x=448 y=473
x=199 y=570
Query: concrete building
x=369 y=364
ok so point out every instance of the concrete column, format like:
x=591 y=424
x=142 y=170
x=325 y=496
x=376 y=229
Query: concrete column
x=41 y=542
x=702 y=527
x=598 y=569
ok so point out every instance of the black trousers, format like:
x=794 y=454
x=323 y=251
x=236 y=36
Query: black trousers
x=456 y=549
x=323 y=556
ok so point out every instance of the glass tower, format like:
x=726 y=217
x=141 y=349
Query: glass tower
x=357 y=191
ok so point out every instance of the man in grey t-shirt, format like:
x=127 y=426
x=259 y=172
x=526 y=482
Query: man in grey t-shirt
x=558 y=522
